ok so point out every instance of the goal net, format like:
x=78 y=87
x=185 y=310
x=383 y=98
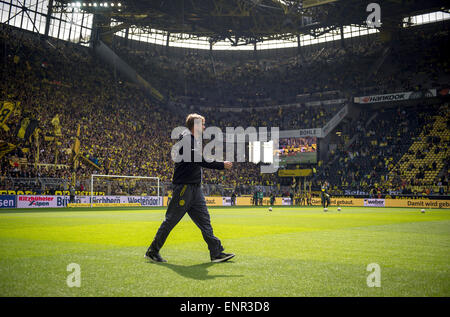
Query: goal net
x=123 y=191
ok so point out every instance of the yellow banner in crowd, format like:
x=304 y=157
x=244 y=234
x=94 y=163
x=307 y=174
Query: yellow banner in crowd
x=5 y=148
x=5 y=112
x=313 y=3
x=295 y=173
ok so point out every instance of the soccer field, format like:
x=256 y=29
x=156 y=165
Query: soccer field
x=287 y=252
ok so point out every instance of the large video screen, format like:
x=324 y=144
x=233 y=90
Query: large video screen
x=298 y=150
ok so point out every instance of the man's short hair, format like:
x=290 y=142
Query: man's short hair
x=190 y=119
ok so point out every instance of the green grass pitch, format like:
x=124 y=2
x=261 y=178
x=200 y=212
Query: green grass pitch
x=287 y=252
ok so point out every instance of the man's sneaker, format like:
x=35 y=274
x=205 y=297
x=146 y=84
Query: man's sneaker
x=222 y=257
x=154 y=256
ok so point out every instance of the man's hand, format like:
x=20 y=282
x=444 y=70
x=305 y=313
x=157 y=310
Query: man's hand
x=228 y=165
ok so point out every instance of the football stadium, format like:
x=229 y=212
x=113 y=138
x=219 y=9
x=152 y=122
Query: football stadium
x=208 y=149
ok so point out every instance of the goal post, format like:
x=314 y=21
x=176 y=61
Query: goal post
x=155 y=185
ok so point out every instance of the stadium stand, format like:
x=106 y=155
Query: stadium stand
x=62 y=85
x=369 y=163
x=118 y=139
x=426 y=157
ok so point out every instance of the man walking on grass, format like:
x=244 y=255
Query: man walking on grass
x=188 y=197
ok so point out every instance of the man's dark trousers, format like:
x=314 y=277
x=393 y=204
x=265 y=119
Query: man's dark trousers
x=187 y=198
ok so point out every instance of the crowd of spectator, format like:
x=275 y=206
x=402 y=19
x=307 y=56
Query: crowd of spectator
x=416 y=59
x=124 y=132
x=121 y=130
x=381 y=140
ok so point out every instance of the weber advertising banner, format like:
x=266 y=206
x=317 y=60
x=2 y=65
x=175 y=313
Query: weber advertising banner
x=373 y=202
x=226 y=201
x=401 y=96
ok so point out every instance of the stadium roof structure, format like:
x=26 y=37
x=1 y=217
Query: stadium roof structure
x=243 y=22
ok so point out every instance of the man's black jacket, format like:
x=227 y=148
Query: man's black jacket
x=191 y=172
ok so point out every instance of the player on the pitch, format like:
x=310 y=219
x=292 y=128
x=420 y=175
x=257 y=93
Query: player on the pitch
x=325 y=196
